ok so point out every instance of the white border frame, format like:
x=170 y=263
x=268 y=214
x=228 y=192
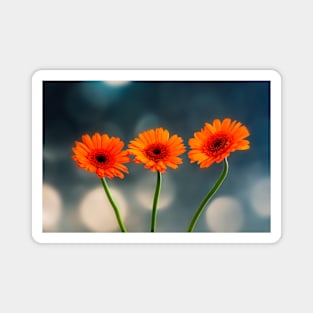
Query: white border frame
x=156 y=75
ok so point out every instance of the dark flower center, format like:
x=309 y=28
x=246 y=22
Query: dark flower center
x=217 y=144
x=101 y=158
x=156 y=152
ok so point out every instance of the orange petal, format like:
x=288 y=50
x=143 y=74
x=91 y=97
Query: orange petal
x=88 y=142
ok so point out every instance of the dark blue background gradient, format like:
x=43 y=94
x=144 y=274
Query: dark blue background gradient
x=72 y=109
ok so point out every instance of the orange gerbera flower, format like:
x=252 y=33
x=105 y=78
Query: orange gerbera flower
x=216 y=141
x=157 y=150
x=102 y=155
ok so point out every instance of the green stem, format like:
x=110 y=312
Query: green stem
x=209 y=196
x=114 y=205
x=155 y=201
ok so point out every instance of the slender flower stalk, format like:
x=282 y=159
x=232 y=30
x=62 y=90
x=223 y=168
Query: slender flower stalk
x=104 y=156
x=213 y=144
x=114 y=205
x=209 y=196
x=155 y=201
x=157 y=150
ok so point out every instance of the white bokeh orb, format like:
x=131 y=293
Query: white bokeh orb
x=260 y=197
x=116 y=83
x=51 y=208
x=97 y=213
x=145 y=189
x=225 y=214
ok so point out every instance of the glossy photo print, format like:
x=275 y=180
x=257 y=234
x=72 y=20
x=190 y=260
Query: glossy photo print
x=156 y=156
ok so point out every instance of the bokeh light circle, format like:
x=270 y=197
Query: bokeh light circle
x=225 y=214
x=145 y=189
x=116 y=83
x=96 y=212
x=260 y=197
x=51 y=209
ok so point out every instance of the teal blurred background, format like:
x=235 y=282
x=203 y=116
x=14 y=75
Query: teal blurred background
x=73 y=199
